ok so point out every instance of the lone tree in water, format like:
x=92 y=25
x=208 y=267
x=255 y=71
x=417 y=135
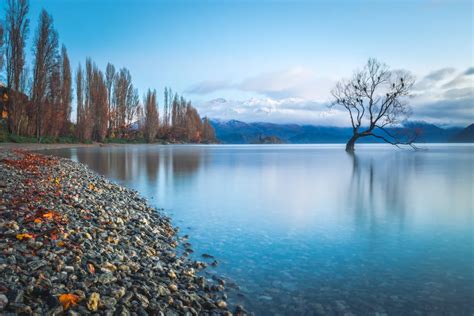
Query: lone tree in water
x=375 y=98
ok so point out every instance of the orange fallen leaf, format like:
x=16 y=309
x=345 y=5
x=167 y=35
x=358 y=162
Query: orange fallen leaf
x=38 y=220
x=91 y=268
x=48 y=215
x=24 y=236
x=68 y=300
x=60 y=243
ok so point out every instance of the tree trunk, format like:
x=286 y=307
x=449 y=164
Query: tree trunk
x=350 y=144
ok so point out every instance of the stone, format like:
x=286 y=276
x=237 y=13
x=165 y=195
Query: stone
x=173 y=287
x=3 y=301
x=143 y=300
x=93 y=302
x=109 y=267
x=105 y=245
x=120 y=292
x=107 y=278
x=109 y=302
x=36 y=264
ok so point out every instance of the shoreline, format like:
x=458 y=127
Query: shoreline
x=39 y=146
x=74 y=242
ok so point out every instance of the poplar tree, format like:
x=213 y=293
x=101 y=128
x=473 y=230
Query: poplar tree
x=45 y=63
x=152 y=120
x=16 y=32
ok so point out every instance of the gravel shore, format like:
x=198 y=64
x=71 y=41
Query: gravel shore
x=74 y=243
x=36 y=146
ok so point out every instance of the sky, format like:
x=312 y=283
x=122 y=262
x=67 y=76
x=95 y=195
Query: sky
x=275 y=61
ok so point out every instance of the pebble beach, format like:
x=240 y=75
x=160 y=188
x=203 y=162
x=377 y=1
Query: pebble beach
x=74 y=243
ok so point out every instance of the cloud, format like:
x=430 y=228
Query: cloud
x=459 y=93
x=293 y=82
x=206 y=87
x=449 y=100
x=469 y=71
x=297 y=95
x=434 y=78
x=461 y=80
x=448 y=111
x=266 y=109
x=440 y=74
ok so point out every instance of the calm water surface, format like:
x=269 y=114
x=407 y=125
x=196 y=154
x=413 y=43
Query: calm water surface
x=310 y=229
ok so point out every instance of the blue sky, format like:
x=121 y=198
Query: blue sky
x=274 y=60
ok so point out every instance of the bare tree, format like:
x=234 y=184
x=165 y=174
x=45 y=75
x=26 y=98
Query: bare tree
x=92 y=105
x=125 y=98
x=99 y=104
x=152 y=120
x=109 y=81
x=193 y=124
x=208 y=133
x=79 y=102
x=1 y=46
x=375 y=98
x=52 y=110
x=131 y=106
x=16 y=31
x=66 y=91
x=80 y=111
x=166 y=107
x=46 y=59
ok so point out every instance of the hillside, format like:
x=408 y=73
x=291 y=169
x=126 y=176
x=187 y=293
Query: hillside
x=238 y=132
x=464 y=136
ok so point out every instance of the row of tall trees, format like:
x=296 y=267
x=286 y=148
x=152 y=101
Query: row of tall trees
x=108 y=104
x=41 y=104
x=180 y=120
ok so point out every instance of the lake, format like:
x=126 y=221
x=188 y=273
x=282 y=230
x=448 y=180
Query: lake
x=310 y=229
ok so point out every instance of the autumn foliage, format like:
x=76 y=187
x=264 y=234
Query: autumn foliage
x=68 y=300
x=108 y=105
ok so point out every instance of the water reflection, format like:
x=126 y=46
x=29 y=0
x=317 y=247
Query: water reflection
x=310 y=228
x=126 y=163
x=376 y=188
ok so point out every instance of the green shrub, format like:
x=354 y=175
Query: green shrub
x=44 y=140
x=21 y=139
x=3 y=136
x=67 y=140
x=139 y=140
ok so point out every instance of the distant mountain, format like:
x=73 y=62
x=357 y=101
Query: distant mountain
x=237 y=132
x=464 y=136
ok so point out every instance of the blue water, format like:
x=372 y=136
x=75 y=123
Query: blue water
x=308 y=229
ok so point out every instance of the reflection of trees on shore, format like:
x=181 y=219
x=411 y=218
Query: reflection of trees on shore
x=151 y=164
x=136 y=164
x=377 y=190
x=185 y=163
x=117 y=163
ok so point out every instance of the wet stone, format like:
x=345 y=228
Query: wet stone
x=3 y=301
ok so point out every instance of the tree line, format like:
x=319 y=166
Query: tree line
x=39 y=103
